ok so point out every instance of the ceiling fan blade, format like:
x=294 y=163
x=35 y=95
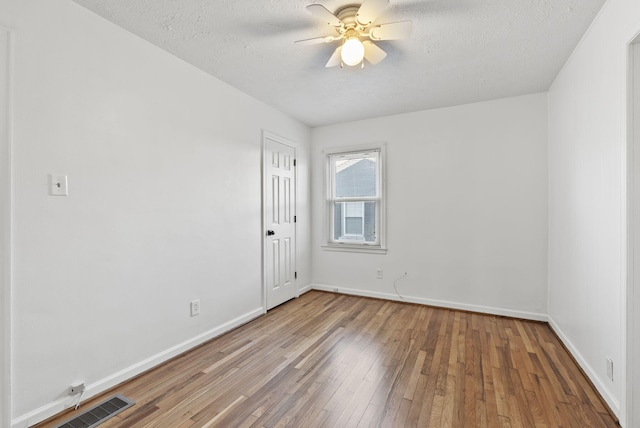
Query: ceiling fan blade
x=391 y=31
x=373 y=53
x=370 y=10
x=323 y=13
x=335 y=58
x=316 y=40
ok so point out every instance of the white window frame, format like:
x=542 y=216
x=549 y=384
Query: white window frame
x=329 y=243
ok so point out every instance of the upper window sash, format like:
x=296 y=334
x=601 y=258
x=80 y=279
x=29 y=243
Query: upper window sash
x=344 y=160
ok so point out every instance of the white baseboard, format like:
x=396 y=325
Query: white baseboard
x=304 y=289
x=439 y=303
x=57 y=406
x=591 y=374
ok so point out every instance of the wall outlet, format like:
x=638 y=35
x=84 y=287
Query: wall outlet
x=610 y=368
x=76 y=388
x=195 y=307
x=379 y=273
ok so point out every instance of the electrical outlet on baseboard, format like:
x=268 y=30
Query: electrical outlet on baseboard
x=76 y=388
x=610 y=368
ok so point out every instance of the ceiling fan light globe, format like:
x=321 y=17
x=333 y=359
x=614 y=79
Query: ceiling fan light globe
x=352 y=51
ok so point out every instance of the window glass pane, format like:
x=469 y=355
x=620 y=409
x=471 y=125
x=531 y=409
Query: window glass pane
x=353 y=226
x=354 y=221
x=337 y=221
x=354 y=209
x=370 y=221
x=355 y=175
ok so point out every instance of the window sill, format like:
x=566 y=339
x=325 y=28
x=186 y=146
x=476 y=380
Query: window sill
x=355 y=248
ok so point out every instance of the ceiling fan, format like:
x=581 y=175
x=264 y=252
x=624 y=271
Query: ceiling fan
x=355 y=29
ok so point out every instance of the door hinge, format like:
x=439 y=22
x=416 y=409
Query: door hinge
x=295 y=275
x=295 y=218
x=294 y=162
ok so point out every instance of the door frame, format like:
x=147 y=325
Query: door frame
x=6 y=209
x=270 y=135
x=631 y=295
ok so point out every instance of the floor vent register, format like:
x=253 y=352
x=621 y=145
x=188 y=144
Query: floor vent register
x=99 y=413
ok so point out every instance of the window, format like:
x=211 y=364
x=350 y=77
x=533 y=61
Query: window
x=355 y=199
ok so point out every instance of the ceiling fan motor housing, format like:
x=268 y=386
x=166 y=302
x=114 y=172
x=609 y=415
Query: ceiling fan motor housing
x=356 y=32
x=347 y=15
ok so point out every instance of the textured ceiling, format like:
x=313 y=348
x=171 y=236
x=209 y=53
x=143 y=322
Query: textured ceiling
x=460 y=51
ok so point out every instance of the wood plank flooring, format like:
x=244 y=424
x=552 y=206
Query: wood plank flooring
x=331 y=360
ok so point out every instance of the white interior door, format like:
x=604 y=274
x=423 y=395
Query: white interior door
x=279 y=198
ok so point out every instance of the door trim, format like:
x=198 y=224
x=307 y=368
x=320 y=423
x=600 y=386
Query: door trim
x=269 y=135
x=6 y=209
x=631 y=294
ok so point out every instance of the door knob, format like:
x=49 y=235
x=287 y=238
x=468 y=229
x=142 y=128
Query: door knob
x=270 y=232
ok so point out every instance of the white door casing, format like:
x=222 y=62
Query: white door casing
x=279 y=217
x=633 y=243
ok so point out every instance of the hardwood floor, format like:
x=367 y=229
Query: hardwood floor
x=331 y=360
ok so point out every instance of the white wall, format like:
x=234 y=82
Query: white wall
x=164 y=167
x=587 y=179
x=5 y=232
x=467 y=207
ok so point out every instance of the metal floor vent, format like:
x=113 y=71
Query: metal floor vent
x=99 y=413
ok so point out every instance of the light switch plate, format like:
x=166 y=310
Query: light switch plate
x=58 y=185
